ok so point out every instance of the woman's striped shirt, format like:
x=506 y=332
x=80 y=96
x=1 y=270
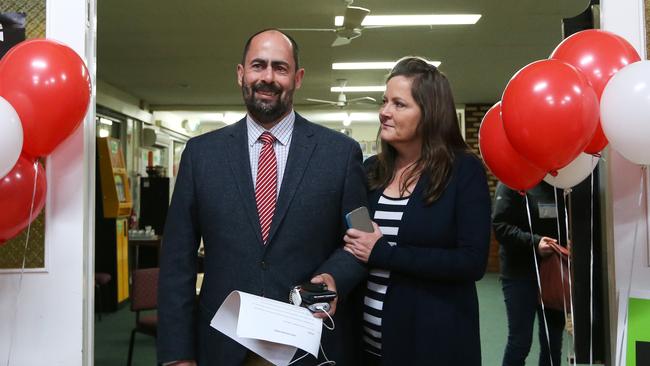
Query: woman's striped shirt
x=388 y=215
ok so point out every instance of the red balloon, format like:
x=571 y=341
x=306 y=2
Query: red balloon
x=48 y=85
x=598 y=141
x=16 y=190
x=501 y=158
x=550 y=113
x=598 y=55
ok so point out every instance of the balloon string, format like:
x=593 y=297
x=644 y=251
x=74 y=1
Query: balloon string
x=559 y=236
x=626 y=298
x=559 y=240
x=22 y=269
x=591 y=269
x=567 y=193
x=539 y=283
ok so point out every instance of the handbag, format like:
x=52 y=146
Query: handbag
x=554 y=279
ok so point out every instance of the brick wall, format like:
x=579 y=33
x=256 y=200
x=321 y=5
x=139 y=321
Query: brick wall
x=473 y=116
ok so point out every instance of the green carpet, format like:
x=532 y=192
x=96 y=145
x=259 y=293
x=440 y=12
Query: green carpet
x=494 y=325
x=112 y=341
x=113 y=331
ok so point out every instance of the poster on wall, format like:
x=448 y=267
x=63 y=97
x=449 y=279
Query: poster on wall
x=20 y=20
x=12 y=30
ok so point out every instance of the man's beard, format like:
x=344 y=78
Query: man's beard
x=266 y=111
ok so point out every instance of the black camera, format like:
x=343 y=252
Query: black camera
x=313 y=296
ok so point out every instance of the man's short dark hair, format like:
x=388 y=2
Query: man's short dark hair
x=294 y=45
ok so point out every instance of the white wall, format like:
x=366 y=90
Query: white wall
x=52 y=324
x=625 y=18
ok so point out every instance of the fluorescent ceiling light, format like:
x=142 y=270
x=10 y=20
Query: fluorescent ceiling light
x=414 y=20
x=208 y=116
x=225 y=117
x=325 y=117
x=383 y=65
x=177 y=117
x=105 y=121
x=232 y=117
x=341 y=116
x=358 y=89
x=347 y=121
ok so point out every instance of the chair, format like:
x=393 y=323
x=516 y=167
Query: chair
x=101 y=279
x=144 y=296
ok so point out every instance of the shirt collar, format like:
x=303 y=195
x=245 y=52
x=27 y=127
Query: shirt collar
x=281 y=131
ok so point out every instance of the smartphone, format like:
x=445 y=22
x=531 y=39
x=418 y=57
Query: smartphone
x=359 y=219
x=314 y=292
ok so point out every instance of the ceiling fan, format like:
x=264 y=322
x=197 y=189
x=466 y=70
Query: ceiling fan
x=351 y=26
x=350 y=29
x=342 y=101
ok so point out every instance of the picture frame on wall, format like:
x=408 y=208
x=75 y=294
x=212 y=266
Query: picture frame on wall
x=19 y=21
x=12 y=26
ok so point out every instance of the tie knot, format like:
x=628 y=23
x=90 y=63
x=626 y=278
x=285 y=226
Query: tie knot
x=267 y=138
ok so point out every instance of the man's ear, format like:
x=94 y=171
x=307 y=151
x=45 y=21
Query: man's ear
x=240 y=74
x=298 y=78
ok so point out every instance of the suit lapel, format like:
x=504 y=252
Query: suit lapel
x=239 y=162
x=300 y=151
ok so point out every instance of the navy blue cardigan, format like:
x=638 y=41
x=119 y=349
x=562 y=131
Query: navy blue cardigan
x=430 y=313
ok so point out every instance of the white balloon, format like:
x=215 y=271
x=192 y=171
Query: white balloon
x=574 y=173
x=625 y=112
x=11 y=137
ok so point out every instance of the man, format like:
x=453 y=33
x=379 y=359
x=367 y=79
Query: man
x=268 y=197
x=518 y=273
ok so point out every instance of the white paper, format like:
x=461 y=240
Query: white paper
x=270 y=328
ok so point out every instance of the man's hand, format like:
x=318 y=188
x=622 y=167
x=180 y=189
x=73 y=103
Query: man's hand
x=544 y=248
x=328 y=280
x=181 y=363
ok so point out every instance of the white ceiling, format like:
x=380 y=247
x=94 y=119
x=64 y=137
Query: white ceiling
x=177 y=55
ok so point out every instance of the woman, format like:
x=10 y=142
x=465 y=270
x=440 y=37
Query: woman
x=431 y=206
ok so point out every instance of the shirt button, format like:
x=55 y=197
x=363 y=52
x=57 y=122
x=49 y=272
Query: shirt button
x=264 y=265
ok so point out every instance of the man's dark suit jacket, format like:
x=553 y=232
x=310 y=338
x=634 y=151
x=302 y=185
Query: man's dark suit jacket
x=214 y=199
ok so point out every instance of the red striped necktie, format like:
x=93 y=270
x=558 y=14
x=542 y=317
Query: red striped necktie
x=266 y=184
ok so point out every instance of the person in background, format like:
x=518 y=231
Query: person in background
x=518 y=274
x=268 y=197
x=430 y=204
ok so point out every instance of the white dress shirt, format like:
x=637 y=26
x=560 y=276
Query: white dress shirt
x=282 y=132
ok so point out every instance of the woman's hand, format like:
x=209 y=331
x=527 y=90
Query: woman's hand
x=360 y=243
x=544 y=247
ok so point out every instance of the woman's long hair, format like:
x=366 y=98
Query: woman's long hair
x=438 y=128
